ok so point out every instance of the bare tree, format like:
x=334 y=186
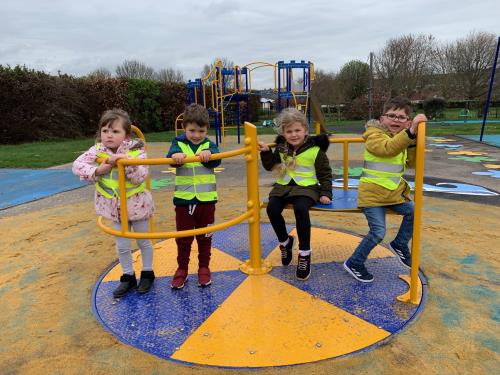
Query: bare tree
x=134 y=69
x=100 y=73
x=468 y=62
x=169 y=75
x=405 y=63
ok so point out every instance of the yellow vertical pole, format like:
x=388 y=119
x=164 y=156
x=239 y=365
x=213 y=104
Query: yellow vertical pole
x=140 y=134
x=346 y=165
x=417 y=223
x=123 y=196
x=255 y=265
x=222 y=107
x=318 y=128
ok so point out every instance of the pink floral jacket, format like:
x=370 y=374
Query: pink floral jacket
x=139 y=206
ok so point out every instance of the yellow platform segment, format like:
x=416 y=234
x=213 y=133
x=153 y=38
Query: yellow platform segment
x=267 y=322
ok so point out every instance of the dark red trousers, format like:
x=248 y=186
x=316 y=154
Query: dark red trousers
x=192 y=217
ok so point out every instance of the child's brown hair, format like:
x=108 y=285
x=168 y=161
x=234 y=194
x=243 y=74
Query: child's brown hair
x=112 y=115
x=398 y=102
x=195 y=113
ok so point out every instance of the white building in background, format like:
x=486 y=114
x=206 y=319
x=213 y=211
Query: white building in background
x=267 y=104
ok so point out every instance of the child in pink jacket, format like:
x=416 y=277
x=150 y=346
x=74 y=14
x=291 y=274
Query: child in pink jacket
x=113 y=143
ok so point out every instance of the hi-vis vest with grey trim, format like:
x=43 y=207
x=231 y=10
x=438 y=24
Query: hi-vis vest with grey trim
x=193 y=179
x=304 y=173
x=108 y=185
x=384 y=171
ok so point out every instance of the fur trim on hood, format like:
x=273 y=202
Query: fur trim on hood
x=316 y=140
x=375 y=124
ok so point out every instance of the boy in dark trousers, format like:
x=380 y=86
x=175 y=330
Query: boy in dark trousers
x=195 y=192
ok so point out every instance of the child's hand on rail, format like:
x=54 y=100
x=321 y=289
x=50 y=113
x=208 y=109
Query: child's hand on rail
x=179 y=157
x=263 y=146
x=414 y=124
x=113 y=158
x=205 y=156
x=325 y=200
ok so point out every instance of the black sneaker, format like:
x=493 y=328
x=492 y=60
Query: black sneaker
x=127 y=282
x=360 y=272
x=304 y=267
x=286 y=251
x=404 y=256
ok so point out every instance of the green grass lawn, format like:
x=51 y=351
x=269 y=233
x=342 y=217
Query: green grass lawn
x=50 y=153
x=57 y=152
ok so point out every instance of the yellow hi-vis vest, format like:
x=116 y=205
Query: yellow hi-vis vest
x=108 y=185
x=304 y=173
x=193 y=179
x=384 y=171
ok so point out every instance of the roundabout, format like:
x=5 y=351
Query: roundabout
x=249 y=321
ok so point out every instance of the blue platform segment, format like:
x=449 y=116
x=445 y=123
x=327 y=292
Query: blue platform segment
x=19 y=186
x=372 y=302
x=342 y=200
x=234 y=240
x=160 y=321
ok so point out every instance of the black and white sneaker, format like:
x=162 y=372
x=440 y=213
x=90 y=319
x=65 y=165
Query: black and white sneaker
x=360 y=272
x=404 y=256
x=304 y=267
x=286 y=251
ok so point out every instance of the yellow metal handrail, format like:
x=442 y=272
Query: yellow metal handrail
x=414 y=294
x=255 y=265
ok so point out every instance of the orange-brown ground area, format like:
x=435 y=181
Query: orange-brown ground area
x=53 y=256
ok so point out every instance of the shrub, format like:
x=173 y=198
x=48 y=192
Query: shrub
x=434 y=106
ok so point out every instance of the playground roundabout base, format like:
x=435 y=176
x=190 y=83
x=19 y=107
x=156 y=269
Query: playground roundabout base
x=259 y=321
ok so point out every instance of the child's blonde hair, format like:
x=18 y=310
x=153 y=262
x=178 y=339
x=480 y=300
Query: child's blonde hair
x=286 y=118
x=289 y=116
x=110 y=116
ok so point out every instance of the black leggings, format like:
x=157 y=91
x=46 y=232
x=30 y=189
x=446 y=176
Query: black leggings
x=301 y=206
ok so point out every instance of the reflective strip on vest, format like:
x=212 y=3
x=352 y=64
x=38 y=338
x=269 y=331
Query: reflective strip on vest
x=304 y=173
x=108 y=185
x=193 y=171
x=383 y=167
x=384 y=171
x=194 y=180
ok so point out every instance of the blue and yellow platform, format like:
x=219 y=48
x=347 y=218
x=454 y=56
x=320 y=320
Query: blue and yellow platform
x=266 y=320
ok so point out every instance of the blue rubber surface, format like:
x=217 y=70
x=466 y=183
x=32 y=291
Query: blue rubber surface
x=160 y=321
x=373 y=302
x=234 y=240
x=19 y=186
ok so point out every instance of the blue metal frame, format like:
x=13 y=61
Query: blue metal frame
x=285 y=88
x=490 y=89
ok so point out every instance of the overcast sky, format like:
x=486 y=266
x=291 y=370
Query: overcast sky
x=77 y=37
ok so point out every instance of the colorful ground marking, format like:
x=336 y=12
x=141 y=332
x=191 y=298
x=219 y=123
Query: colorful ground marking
x=473 y=159
x=467 y=153
x=259 y=321
x=491 y=166
x=491 y=173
